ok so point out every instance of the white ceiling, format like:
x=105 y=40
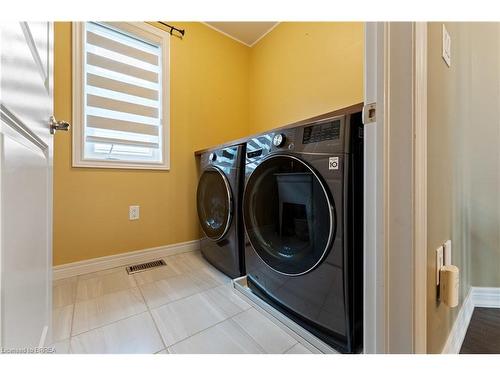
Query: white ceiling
x=245 y=32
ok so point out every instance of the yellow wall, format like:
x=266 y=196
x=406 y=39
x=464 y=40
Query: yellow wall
x=303 y=69
x=220 y=90
x=209 y=105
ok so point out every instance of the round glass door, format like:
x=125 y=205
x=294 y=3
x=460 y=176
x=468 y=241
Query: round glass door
x=214 y=203
x=288 y=215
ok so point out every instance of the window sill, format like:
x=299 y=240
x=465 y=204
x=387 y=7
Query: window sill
x=119 y=165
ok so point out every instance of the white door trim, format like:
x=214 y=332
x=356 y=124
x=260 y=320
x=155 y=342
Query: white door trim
x=420 y=188
x=391 y=306
x=398 y=189
x=374 y=298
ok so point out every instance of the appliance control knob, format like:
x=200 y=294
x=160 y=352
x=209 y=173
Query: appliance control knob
x=279 y=140
x=212 y=156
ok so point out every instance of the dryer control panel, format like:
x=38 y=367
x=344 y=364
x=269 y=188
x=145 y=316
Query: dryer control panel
x=228 y=157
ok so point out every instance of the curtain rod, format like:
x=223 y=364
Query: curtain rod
x=172 y=28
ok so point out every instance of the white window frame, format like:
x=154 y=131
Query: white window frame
x=143 y=31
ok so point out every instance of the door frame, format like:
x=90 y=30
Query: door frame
x=374 y=304
x=420 y=187
x=395 y=188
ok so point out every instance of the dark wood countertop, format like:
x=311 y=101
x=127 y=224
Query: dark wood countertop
x=351 y=109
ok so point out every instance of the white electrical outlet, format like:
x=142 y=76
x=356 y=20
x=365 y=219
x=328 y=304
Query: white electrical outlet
x=439 y=262
x=447 y=253
x=133 y=212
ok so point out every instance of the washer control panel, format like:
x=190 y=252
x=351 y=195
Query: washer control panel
x=327 y=136
x=321 y=132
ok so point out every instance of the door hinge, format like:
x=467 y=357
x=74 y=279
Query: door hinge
x=369 y=113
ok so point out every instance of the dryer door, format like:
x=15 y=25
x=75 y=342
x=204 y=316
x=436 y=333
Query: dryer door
x=288 y=214
x=214 y=203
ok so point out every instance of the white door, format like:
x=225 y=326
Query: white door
x=26 y=103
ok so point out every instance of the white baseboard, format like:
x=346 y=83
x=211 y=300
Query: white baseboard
x=477 y=297
x=486 y=297
x=98 y=264
x=459 y=329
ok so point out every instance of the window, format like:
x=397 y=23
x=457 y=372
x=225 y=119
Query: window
x=120 y=96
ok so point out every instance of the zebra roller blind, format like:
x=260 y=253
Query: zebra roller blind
x=122 y=86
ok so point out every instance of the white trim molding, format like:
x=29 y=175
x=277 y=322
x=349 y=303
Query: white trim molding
x=486 y=297
x=459 y=329
x=374 y=280
x=263 y=35
x=238 y=40
x=102 y=263
x=420 y=188
x=477 y=297
x=394 y=254
x=388 y=230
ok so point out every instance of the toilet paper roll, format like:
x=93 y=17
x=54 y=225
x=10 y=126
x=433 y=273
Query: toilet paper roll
x=449 y=280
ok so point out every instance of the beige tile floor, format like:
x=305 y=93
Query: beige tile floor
x=187 y=306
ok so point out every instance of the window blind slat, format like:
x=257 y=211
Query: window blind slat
x=119 y=125
x=101 y=72
x=121 y=106
x=118 y=141
x=116 y=95
x=126 y=88
x=112 y=45
x=119 y=67
x=100 y=112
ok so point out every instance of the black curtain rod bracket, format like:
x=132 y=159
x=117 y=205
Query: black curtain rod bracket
x=172 y=28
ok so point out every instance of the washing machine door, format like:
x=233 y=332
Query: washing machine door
x=214 y=203
x=288 y=215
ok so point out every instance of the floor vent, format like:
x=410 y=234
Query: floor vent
x=145 y=266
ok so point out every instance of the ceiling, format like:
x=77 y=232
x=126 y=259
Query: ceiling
x=245 y=32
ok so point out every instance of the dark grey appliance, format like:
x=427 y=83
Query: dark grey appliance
x=303 y=218
x=219 y=208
